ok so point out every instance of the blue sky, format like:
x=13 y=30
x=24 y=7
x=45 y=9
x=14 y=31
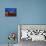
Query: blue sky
x=10 y=9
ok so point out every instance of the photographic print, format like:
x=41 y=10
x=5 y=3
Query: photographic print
x=10 y=12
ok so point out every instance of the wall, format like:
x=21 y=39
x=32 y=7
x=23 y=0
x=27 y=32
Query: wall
x=28 y=12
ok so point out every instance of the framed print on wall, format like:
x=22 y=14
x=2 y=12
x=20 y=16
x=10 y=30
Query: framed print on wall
x=10 y=12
